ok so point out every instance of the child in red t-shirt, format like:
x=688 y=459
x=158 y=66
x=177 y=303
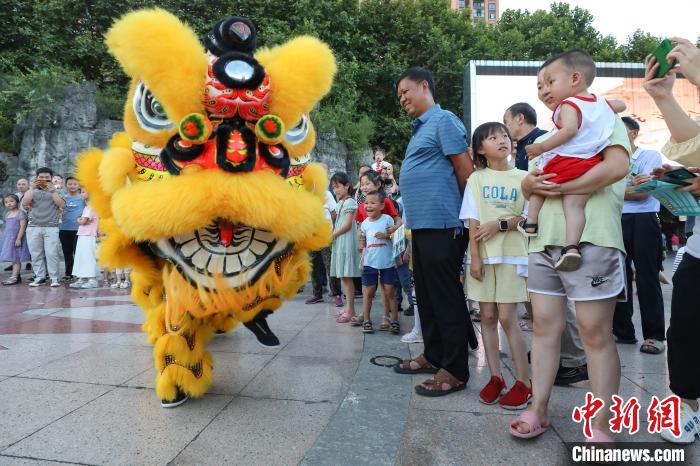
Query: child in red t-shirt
x=370 y=181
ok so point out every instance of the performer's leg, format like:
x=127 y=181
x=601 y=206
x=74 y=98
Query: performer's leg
x=183 y=366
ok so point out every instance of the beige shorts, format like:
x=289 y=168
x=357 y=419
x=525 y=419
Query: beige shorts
x=501 y=284
x=601 y=275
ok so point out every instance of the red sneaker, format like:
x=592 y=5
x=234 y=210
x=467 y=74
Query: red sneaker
x=518 y=397
x=492 y=391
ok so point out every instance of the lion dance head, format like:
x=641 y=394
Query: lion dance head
x=209 y=196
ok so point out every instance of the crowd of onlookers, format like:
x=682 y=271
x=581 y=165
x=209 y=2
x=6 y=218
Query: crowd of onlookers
x=549 y=219
x=48 y=219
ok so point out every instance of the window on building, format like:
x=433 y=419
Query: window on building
x=492 y=7
x=492 y=15
x=460 y=4
x=478 y=13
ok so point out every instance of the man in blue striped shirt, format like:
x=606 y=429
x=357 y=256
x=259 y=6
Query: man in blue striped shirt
x=433 y=177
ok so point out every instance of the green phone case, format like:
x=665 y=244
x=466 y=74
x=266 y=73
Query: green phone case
x=660 y=53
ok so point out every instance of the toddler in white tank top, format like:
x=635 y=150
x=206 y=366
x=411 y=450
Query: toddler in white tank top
x=584 y=124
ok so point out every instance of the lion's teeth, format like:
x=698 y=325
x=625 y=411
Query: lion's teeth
x=184 y=238
x=216 y=264
x=265 y=236
x=233 y=264
x=248 y=258
x=188 y=249
x=199 y=260
x=258 y=247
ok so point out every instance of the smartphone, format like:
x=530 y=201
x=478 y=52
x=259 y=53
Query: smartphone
x=660 y=54
x=678 y=176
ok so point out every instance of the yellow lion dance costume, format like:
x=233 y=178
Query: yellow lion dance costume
x=209 y=197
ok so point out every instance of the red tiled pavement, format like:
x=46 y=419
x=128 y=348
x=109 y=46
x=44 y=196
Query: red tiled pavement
x=16 y=299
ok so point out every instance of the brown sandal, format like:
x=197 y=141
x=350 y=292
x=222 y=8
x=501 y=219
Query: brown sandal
x=384 y=326
x=356 y=321
x=424 y=367
x=434 y=386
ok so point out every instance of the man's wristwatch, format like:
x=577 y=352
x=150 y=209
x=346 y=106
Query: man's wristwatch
x=502 y=224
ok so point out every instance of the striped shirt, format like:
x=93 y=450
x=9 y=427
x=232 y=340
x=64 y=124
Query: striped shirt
x=429 y=185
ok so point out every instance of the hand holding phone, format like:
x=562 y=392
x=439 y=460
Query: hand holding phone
x=678 y=176
x=661 y=55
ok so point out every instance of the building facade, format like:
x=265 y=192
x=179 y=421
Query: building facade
x=481 y=10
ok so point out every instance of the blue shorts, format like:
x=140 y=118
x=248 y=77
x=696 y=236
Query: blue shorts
x=370 y=276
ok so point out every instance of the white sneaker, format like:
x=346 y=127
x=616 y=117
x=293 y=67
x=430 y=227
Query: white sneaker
x=77 y=284
x=115 y=284
x=412 y=337
x=55 y=283
x=125 y=284
x=91 y=283
x=37 y=282
x=690 y=426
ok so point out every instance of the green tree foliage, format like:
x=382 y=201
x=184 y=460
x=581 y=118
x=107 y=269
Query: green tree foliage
x=374 y=42
x=639 y=45
x=561 y=28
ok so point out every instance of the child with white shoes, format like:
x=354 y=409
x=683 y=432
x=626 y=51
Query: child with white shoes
x=121 y=279
x=85 y=265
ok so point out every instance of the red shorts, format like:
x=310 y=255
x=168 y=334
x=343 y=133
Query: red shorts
x=569 y=168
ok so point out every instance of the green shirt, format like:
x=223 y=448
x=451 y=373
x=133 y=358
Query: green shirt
x=492 y=195
x=603 y=209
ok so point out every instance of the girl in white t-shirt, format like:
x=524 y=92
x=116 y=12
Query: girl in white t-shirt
x=497 y=256
x=85 y=265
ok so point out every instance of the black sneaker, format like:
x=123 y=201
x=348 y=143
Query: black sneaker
x=180 y=398
x=262 y=331
x=571 y=375
x=626 y=341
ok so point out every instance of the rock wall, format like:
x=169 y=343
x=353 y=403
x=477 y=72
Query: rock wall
x=334 y=153
x=76 y=125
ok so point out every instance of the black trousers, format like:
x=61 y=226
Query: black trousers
x=69 y=239
x=321 y=265
x=683 y=365
x=642 y=237
x=437 y=255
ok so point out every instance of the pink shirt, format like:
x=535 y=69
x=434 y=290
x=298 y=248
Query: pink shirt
x=91 y=228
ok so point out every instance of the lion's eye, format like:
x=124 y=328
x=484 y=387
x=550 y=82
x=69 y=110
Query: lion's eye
x=149 y=112
x=158 y=109
x=299 y=132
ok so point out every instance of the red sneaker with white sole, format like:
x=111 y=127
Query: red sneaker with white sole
x=492 y=391
x=518 y=397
